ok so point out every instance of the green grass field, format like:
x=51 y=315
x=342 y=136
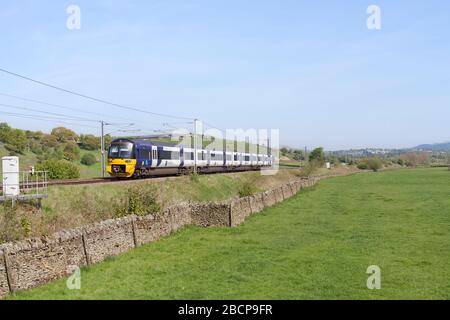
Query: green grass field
x=316 y=245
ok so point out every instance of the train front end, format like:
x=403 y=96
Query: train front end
x=121 y=159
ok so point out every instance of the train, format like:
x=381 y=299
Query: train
x=139 y=157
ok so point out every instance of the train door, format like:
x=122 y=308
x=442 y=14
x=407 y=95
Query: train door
x=181 y=157
x=154 y=157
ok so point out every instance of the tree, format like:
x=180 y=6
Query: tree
x=317 y=155
x=49 y=141
x=88 y=159
x=5 y=130
x=108 y=140
x=414 y=159
x=89 y=142
x=64 y=135
x=16 y=141
x=298 y=155
x=71 y=151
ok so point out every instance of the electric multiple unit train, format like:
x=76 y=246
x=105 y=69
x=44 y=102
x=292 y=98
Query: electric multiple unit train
x=129 y=158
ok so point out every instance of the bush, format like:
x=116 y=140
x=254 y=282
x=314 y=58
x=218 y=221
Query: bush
x=310 y=168
x=9 y=224
x=71 y=151
x=194 y=177
x=318 y=156
x=59 y=169
x=374 y=164
x=247 y=189
x=137 y=201
x=88 y=159
x=363 y=166
x=415 y=159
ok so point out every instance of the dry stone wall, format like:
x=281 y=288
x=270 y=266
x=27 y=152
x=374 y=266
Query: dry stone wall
x=4 y=287
x=30 y=263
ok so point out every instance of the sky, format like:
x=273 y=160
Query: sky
x=311 y=69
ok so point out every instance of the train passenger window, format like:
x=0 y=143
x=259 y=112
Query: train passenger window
x=217 y=156
x=144 y=154
x=169 y=155
x=188 y=155
x=235 y=157
x=165 y=155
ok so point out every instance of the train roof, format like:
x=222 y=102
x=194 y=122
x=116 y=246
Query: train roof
x=146 y=142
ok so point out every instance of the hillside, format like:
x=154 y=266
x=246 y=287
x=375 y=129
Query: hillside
x=445 y=146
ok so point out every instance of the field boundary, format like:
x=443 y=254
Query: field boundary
x=30 y=263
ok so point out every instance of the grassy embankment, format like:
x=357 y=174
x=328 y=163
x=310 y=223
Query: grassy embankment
x=316 y=245
x=74 y=206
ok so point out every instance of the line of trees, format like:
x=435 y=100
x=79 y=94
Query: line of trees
x=58 y=151
x=61 y=143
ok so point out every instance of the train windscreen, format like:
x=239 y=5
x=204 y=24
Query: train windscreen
x=121 y=151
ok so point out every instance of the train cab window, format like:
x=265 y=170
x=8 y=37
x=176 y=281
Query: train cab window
x=121 y=150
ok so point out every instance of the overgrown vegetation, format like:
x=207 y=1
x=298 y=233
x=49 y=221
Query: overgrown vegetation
x=415 y=159
x=247 y=188
x=294 y=154
x=15 y=222
x=59 y=169
x=88 y=159
x=373 y=164
x=310 y=168
x=138 y=200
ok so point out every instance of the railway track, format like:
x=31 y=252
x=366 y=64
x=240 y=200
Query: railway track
x=91 y=181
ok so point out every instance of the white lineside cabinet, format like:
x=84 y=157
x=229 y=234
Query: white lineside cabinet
x=10 y=167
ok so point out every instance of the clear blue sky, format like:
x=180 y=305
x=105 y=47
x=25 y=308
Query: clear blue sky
x=310 y=68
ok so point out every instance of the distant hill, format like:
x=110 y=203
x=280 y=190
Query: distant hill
x=434 y=147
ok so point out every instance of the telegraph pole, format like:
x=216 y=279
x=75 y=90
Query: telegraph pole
x=195 y=146
x=102 y=147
